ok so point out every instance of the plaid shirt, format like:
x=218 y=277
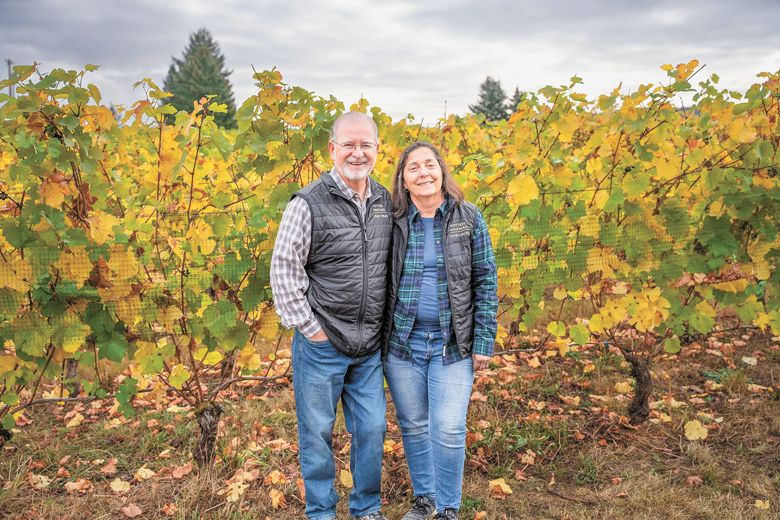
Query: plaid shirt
x=289 y=281
x=484 y=281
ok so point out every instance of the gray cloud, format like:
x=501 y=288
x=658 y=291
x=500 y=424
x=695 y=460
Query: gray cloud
x=405 y=57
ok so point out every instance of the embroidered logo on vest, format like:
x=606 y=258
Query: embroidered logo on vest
x=459 y=229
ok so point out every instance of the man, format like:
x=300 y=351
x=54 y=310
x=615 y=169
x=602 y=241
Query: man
x=328 y=276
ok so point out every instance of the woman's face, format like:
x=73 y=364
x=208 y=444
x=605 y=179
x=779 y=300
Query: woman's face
x=422 y=174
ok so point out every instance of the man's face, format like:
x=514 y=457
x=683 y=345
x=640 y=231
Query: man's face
x=353 y=148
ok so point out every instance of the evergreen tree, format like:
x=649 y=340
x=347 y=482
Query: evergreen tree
x=201 y=72
x=492 y=100
x=517 y=97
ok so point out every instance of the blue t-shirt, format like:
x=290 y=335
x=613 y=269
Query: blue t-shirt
x=428 y=306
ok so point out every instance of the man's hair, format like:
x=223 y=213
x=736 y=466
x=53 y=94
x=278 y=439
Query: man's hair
x=352 y=115
x=400 y=196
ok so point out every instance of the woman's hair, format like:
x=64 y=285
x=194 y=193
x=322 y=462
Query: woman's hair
x=401 y=197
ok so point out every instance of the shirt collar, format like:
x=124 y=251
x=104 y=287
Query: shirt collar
x=413 y=211
x=346 y=190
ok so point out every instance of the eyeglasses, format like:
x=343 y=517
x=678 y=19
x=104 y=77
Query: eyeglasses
x=351 y=147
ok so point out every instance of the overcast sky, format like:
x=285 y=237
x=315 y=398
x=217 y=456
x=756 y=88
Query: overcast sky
x=406 y=57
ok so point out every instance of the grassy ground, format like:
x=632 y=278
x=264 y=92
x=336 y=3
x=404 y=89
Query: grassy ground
x=554 y=433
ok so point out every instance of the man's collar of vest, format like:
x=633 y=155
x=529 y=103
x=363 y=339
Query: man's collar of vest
x=334 y=181
x=413 y=211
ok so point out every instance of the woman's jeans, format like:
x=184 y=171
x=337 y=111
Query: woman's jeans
x=431 y=402
x=321 y=376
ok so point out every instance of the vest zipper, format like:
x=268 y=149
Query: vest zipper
x=362 y=311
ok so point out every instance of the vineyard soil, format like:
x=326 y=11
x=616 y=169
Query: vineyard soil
x=557 y=434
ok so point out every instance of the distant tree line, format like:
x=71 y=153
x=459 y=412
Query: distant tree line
x=493 y=101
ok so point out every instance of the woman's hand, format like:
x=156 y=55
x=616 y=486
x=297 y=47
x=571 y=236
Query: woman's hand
x=480 y=362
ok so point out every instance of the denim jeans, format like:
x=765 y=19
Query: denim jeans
x=321 y=376
x=431 y=402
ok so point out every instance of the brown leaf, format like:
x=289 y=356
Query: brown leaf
x=301 y=488
x=110 y=467
x=79 y=486
x=694 y=481
x=169 y=509
x=131 y=510
x=180 y=471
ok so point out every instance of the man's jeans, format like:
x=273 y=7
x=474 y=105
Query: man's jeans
x=321 y=376
x=431 y=402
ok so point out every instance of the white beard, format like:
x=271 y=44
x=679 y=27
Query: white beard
x=355 y=173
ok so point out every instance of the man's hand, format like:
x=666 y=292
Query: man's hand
x=320 y=336
x=479 y=362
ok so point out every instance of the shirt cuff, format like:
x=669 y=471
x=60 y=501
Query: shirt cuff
x=310 y=328
x=482 y=347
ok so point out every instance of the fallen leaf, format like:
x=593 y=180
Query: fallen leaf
x=750 y=361
x=275 y=477
x=694 y=481
x=109 y=468
x=623 y=387
x=346 y=478
x=480 y=515
x=762 y=504
x=131 y=510
x=499 y=489
x=79 y=486
x=120 y=486
x=143 y=474
x=301 y=487
x=169 y=509
x=277 y=499
x=38 y=481
x=75 y=421
x=694 y=431
x=533 y=362
x=182 y=470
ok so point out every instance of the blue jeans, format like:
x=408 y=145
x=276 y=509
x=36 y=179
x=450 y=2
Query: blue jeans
x=321 y=376
x=431 y=402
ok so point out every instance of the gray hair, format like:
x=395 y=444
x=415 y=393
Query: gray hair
x=353 y=115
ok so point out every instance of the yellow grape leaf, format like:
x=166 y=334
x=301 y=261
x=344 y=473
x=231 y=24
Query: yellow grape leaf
x=143 y=474
x=666 y=170
x=15 y=273
x=346 y=478
x=208 y=358
x=234 y=491
x=277 y=499
x=123 y=262
x=694 y=431
x=120 y=486
x=588 y=367
x=523 y=189
x=761 y=504
x=101 y=226
x=623 y=387
x=741 y=131
x=533 y=362
x=179 y=375
x=499 y=489
x=249 y=359
x=7 y=363
x=199 y=236
x=269 y=324
x=76 y=420
x=74 y=265
x=734 y=286
x=52 y=194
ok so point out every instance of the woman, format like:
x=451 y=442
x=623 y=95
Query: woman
x=441 y=323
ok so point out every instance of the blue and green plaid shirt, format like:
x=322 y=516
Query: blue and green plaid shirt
x=484 y=281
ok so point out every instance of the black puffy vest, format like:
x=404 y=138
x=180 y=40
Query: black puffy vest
x=347 y=264
x=457 y=228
